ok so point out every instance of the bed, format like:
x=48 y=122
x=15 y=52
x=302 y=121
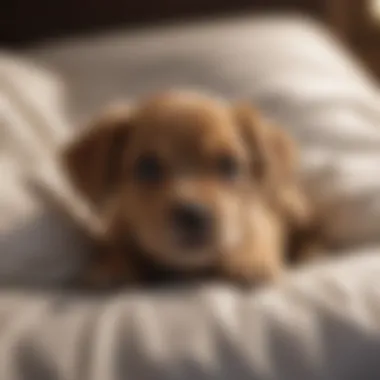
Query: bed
x=321 y=322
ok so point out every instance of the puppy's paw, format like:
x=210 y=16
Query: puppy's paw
x=252 y=270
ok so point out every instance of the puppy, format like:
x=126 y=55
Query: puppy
x=188 y=186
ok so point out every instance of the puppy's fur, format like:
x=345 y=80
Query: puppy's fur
x=137 y=166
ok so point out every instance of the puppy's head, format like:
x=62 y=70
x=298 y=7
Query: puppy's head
x=181 y=171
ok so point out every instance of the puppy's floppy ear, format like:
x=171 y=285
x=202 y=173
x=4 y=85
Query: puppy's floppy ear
x=272 y=152
x=94 y=158
x=275 y=157
x=274 y=160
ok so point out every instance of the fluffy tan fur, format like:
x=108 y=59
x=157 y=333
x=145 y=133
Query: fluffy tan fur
x=255 y=213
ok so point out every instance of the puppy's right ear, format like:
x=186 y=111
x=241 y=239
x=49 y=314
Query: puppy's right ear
x=275 y=157
x=94 y=159
x=272 y=150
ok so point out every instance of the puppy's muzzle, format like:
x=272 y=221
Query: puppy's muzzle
x=192 y=223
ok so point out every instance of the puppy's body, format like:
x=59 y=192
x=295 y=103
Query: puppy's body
x=188 y=185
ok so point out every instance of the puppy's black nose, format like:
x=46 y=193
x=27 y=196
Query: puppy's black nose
x=192 y=220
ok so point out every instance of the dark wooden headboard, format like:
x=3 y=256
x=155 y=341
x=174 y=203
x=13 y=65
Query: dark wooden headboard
x=26 y=21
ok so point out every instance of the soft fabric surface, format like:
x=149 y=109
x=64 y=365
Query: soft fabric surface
x=38 y=246
x=323 y=324
x=319 y=323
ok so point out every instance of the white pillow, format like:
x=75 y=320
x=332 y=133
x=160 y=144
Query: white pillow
x=37 y=244
x=295 y=72
x=292 y=68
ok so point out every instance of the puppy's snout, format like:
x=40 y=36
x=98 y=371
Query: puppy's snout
x=193 y=222
x=191 y=216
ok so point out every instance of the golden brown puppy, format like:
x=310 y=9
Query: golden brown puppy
x=189 y=185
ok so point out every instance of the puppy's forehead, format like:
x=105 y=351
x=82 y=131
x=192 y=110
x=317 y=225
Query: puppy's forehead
x=186 y=119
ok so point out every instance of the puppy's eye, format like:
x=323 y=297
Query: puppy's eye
x=148 y=169
x=228 y=167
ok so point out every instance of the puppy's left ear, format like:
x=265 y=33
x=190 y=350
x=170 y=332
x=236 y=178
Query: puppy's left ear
x=274 y=161
x=94 y=159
